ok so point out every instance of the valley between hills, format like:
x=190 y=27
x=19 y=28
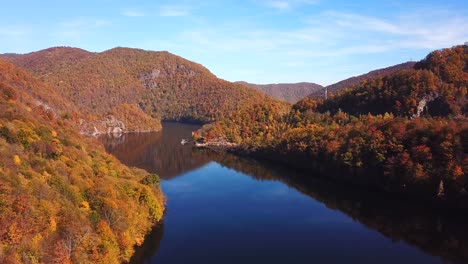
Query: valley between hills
x=402 y=131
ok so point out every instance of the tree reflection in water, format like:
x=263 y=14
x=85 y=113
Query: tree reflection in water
x=443 y=234
x=157 y=152
x=150 y=246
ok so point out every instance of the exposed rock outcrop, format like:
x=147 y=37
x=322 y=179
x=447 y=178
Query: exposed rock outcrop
x=423 y=104
x=113 y=125
x=110 y=125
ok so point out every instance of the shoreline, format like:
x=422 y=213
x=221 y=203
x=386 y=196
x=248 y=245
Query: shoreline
x=353 y=177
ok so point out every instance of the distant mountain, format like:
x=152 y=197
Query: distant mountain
x=356 y=80
x=48 y=60
x=289 y=92
x=132 y=89
x=435 y=86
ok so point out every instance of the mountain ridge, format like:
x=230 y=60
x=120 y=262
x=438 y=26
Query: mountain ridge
x=154 y=86
x=356 y=80
x=289 y=92
x=294 y=92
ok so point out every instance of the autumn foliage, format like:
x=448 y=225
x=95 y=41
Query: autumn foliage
x=153 y=86
x=406 y=132
x=288 y=92
x=356 y=80
x=62 y=198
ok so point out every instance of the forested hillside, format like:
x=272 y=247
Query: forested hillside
x=289 y=92
x=48 y=61
x=356 y=80
x=133 y=89
x=86 y=118
x=405 y=132
x=436 y=87
x=62 y=198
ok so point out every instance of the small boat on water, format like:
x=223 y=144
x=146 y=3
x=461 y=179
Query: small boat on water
x=184 y=141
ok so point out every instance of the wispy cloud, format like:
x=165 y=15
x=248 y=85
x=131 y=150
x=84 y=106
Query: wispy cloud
x=332 y=33
x=84 y=23
x=131 y=12
x=79 y=27
x=285 y=5
x=417 y=31
x=174 y=11
x=357 y=21
x=282 y=5
x=330 y=39
x=14 y=31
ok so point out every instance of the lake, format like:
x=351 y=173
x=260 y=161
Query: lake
x=223 y=208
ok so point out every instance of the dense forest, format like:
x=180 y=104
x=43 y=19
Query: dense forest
x=288 y=92
x=85 y=118
x=405 y=132
x=433 y=88
x=132 y=89
x=62 y=198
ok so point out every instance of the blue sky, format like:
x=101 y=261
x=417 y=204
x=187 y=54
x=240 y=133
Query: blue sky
x=260 y=41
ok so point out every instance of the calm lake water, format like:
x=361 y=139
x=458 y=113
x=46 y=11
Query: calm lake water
x=227 y=209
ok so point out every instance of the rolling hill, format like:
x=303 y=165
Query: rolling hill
x=436 y=86
x=294 y=92
x=289 y=92
x=356 y=80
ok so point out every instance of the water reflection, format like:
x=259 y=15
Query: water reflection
x=157 y=152
x=437 y=233
x=434 y=233
x=150 y=246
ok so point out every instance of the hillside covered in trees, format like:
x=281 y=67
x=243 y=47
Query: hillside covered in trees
x=62 y=198
x=436 y=87
x=405 y=132
x=356 y=80
x=289 y=92
x=127 y=89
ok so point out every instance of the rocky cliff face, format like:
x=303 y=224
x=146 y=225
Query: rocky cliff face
x=423 y=105
x=113 y=125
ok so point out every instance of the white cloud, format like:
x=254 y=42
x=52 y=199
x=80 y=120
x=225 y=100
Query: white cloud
x=173 y=11
x=130 y=12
